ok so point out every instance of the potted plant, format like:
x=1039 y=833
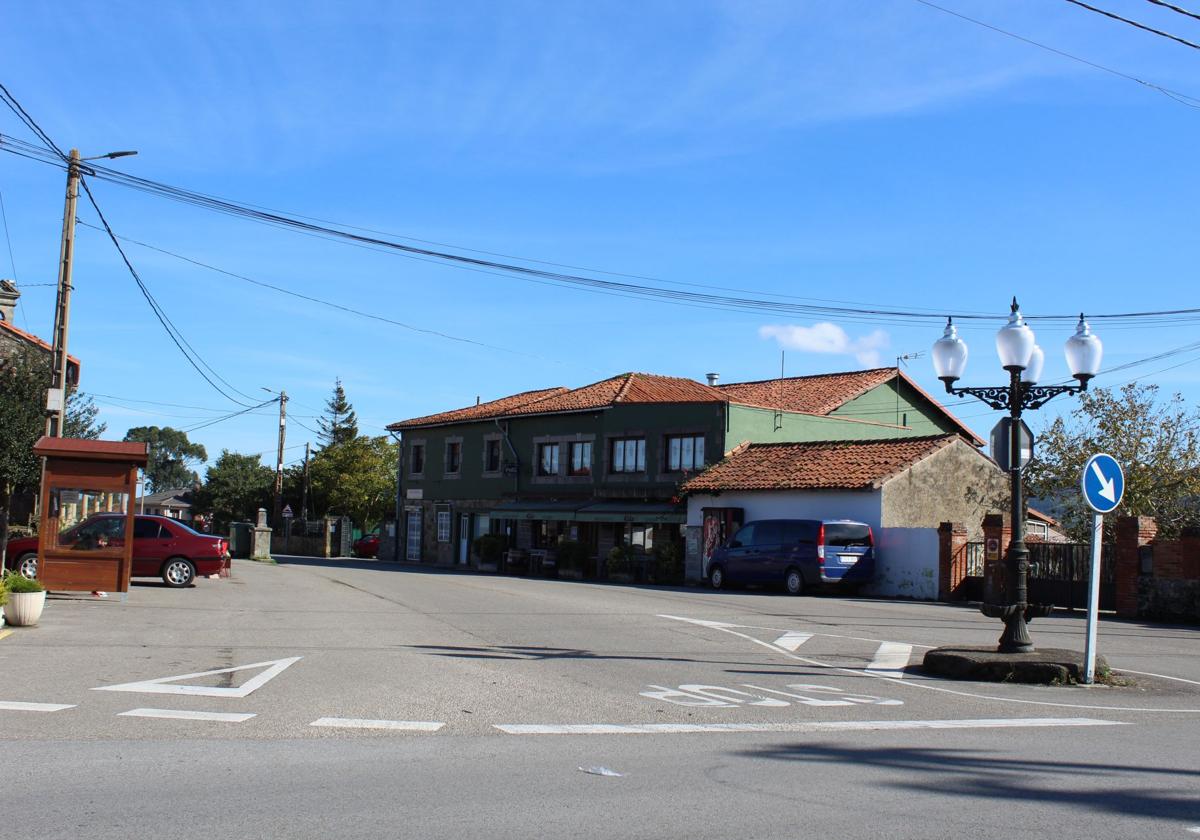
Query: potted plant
x=620 y=565
x=26 y=598
x=572 y=557
x=489 y=548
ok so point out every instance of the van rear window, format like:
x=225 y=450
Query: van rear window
x=845 y=534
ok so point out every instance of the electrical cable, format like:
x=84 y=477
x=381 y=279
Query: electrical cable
x=216 y=420
x=1174 y=8
x=11 y=259
x=173 y=332
x=1134 y=23
x=1181 y=98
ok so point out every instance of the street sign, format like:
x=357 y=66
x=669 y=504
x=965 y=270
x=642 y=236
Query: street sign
x=1103 y=483
x=1001 y=438
x=287 y=512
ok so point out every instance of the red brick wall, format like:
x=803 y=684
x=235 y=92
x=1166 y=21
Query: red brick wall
x=952 y=566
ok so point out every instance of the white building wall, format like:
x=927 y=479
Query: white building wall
x=865 y=506
x=906 y=564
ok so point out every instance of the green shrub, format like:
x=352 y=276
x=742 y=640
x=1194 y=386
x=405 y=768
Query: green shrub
x=619 y=560
x=3 y=592
x=572 y=555
x=15 y=583
x=668 y=563
x=490 y=547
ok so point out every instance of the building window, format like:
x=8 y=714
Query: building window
x=581 y=458
x=418 y=458
x=412 y=542
x=453 y=457
x=685 y=453
x=638 y=536
x=443 y=524
x=491 y=455
x=548 y=459
x=629 y=455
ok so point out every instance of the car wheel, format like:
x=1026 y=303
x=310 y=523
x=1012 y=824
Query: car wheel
x=716 y=577
x=794 y=582
x=178 y=572
x=26 y=565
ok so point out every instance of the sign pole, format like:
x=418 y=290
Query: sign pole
x=1093 y=614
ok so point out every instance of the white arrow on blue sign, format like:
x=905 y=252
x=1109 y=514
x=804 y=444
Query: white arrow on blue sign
x=1103 y=483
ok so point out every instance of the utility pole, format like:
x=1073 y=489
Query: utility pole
x=56 y=397
x=279 y=457
x=304 y=487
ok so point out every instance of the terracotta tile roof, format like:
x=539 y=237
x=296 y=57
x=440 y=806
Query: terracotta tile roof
x=819 y=394
x=34 y=340
x=625 y=388
x=822 y=465
x=483 y=411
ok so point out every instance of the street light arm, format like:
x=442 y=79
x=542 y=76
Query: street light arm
x=1030 y=396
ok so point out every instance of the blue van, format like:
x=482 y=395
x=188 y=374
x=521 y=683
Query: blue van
x=798 y=553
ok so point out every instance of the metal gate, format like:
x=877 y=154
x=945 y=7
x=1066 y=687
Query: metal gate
x=1058 y=574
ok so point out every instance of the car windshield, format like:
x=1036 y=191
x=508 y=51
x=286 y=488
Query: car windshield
x=847 y=534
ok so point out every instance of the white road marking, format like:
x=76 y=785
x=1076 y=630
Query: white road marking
x=162 y=685
x=817 y=726
x=361 y=723
x=891 y=659
x=924 y=685
x=18 y=706
x=184 y=714
x=720 y=625
x=792 y=639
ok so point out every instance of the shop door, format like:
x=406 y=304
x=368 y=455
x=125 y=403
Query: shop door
x=464 y=538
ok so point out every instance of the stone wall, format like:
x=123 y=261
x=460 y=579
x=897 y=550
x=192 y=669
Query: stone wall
x=956 y=484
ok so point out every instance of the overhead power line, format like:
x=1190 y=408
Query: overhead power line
x=1174 y=8
x=1181 y=98
x=230 y=416
x=594 y=284
x=1134 y=23
x=172 y=331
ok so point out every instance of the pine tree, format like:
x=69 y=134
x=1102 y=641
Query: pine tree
x=340 y=423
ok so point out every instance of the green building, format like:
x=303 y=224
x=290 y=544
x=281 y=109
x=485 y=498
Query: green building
x=601 y=465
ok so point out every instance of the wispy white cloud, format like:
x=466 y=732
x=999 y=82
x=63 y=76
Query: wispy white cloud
x=825 y=337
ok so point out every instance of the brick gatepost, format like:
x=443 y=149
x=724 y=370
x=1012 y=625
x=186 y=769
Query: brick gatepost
x=952 y=545
x=1133 y=532
x=998 y=527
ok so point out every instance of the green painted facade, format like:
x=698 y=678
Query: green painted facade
x=898 y=404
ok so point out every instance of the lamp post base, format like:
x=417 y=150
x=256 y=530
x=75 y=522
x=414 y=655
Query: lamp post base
x=1016 y=617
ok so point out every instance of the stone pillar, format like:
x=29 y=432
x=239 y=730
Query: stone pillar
x=1133 y=532
x=261 y=547
x=952 y=566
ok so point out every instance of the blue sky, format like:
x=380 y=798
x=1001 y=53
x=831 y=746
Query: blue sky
x=874 y=151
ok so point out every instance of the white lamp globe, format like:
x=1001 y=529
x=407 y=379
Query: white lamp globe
x=1084 y=352
x=1033 y=370
x=949 y=355
x=1015 y=341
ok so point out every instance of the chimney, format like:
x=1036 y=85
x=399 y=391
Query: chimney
x=476 y=399
x=8 y=300
x=712 y=378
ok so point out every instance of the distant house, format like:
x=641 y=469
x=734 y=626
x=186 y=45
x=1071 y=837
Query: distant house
x=176 y=504
x=14 y=340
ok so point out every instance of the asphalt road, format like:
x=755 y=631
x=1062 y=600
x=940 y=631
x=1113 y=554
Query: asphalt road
x=391 y=702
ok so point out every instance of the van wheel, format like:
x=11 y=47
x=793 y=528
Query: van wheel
x=716 y=577
x=794 y=582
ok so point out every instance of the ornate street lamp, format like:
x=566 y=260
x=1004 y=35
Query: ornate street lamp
x=1023 y=359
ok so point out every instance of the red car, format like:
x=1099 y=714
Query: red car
x=162 y=547
x=366 y=546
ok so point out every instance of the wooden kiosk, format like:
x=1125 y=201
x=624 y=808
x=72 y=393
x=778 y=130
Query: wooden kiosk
x=85 y=538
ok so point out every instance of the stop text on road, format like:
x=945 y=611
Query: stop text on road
x=1103 y=483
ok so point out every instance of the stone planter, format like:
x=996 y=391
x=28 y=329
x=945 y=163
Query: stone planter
x=24 y=608
x=570 y=574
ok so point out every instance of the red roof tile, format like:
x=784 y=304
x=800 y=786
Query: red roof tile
x=819 y=394
x=822 y=465
x=34 y=340
x=483 y=411
x=626 y=388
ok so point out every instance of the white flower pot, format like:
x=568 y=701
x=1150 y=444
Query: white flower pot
x=24 y=608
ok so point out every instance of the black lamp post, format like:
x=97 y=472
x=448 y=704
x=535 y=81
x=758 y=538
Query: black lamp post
x=1023 y=359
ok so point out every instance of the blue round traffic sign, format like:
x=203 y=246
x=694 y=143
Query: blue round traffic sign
x=1103 y=483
